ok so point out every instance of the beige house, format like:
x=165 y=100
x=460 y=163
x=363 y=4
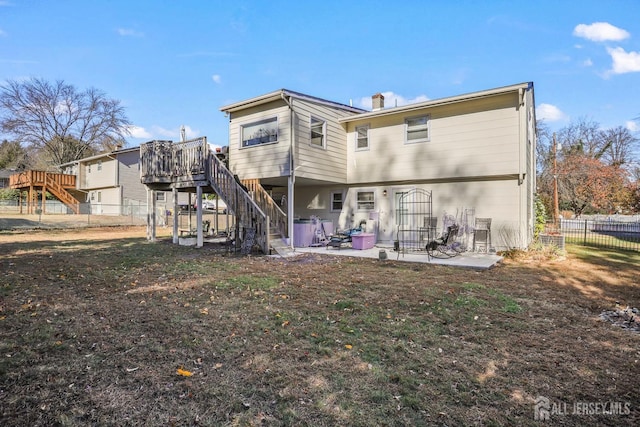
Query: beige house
x=475 y=153
x=109 y=184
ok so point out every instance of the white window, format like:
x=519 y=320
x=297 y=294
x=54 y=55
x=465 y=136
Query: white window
x=262 y=132
x=160 y=196
x=362 y=137
x=318 y=132
x=89 y=168
x=365 y=201
x=93 y=196
x=99 y=196
x=417 y=129
x=99 y=165
x=337 y=200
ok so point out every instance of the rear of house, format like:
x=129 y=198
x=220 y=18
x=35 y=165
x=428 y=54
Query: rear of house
x=475 y=153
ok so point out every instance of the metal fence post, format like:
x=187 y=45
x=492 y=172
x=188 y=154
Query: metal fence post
x=585 y=233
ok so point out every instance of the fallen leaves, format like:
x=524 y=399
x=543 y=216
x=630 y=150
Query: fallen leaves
x=183 y=372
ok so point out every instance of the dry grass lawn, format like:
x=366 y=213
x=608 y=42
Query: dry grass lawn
x=100 y=327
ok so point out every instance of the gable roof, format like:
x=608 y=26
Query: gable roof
x=437 y=102
x=281 y=94
x=109 y=154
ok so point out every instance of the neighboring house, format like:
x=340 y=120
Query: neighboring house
x=4 y=177
x=320 y=158
x=109 y=183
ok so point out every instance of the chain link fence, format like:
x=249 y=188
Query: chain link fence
x=56 y=215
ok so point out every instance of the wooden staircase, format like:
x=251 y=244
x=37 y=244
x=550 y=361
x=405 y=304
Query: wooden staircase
x=57 y=190
x=54 y=183
x=190 y=164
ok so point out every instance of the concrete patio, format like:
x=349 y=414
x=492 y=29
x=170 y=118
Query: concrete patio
x=480 y=261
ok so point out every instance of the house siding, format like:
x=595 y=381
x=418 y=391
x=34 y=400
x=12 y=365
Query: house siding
x=129 y=176
x=497 y=200
x=478 y=139
x=260 y=161
x=106 y=177
x=324 y=164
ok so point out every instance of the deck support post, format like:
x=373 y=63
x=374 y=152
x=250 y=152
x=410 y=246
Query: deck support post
x=199 y=204
x=176 y=211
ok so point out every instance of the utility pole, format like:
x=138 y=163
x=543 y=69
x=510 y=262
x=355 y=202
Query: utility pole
x=556 y=209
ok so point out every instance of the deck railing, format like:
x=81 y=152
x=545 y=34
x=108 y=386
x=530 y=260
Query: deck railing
x=184 y=164
x=278 y=218
x=190 y=160
x=38 y=178
x=156 y=162
x=239 y=201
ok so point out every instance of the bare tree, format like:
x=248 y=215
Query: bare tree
x=583 y=137
x=620 y=146
x=56 y=118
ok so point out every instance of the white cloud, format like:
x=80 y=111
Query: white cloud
x=216 y=78
x=127 y=32
x=174 y=133
x=2 y=33
x=549 y=113
x=159 y=132
x=587 y=62
x=633 y=126
x=391 y=100
x=624 y=62
x=600 y=31
x=139 y=132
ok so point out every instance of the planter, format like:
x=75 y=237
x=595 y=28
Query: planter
x=556 y=240
x=187 y=241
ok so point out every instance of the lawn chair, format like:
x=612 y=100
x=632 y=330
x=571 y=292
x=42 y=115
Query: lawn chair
x=445 y=246
x=343 y=237
x=482 y=235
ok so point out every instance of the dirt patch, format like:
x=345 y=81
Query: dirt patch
x=101 y=327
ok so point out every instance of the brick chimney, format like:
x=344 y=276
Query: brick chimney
x=377 y=102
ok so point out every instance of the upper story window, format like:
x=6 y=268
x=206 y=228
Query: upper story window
x=365 y=201
x=161 y=196
x=89 y=168
x=417 y=129
x=337 y=200
x=262 y=132
x=99 y=165
x=362 y=137
x=318 y=132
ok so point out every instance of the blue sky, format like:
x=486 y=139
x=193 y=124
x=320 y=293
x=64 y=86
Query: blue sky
x=174 y=63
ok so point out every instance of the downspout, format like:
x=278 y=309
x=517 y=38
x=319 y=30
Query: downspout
x=292 y=172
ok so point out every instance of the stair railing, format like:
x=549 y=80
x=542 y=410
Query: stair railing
x=264 y=200
x=61 y=193
x=239 y=201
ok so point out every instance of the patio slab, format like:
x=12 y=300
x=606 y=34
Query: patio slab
x=473 y=260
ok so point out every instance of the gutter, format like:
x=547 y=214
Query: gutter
x=292 y=171
x=437 y=102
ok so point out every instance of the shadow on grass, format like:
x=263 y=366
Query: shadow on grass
x=93 y=331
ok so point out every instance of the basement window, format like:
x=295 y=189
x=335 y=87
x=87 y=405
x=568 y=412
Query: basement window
x=337 y=200
x=365 y=201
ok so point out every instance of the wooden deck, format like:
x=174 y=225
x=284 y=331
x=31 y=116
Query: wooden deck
x=191 y=165
x=33 y=182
